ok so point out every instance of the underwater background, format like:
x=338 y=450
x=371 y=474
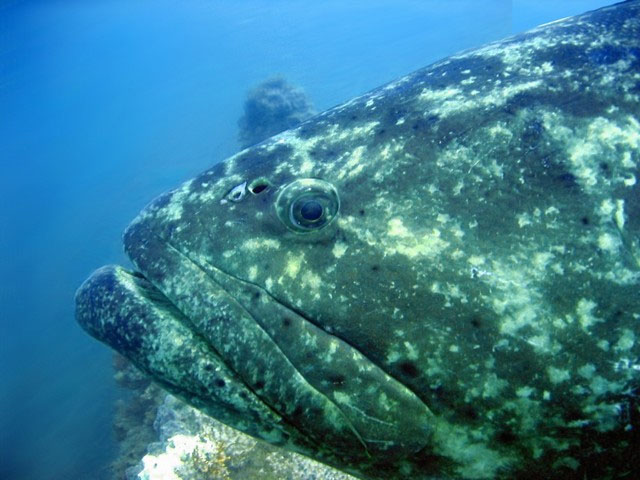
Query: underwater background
x=106 y=104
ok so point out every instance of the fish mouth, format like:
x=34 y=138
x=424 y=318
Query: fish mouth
x=228 y=347
x=127 y=312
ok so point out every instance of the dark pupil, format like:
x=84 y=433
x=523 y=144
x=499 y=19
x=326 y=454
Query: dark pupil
x=311 y=211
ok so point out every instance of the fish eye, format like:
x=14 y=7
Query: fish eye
x=307 y=205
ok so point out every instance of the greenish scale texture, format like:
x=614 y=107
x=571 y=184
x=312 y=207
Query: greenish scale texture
x=438 y=279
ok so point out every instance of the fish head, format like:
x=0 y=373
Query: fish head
x=267 y=263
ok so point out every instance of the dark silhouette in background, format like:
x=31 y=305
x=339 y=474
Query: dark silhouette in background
x=271 y=107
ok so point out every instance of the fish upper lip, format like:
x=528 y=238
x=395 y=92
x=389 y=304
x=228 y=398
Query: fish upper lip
x=124 y=310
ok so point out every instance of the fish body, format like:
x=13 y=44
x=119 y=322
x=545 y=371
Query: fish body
x=438 y=279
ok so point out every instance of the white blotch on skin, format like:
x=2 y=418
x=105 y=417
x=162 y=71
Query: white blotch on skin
x=585 y=314
x=253 y=272
x=339 y=249
x=558 y=375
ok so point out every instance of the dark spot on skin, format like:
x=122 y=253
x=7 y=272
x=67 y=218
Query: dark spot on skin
x=243 y=395
x=375 y=268
x=336 y=379
x=426 y=123
x=259 y=385
x=567 y=180
x=220 y=383
x=354 y=117
x=476 y=322
x=208 y=367
x=426 y=462
x=585 y=220
x=256 y=295
x=381 y=131
x=507 y=437
x=297 y=412
x=315 y=411
x=286 y=322
x=604 y=166
x=469 y=412
x=572 y=414
x=361 y=212
x=618 y=314
x=409 y=369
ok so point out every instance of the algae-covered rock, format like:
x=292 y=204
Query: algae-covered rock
x=193 y=446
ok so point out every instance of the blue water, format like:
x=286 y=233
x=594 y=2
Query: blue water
x=105 y=104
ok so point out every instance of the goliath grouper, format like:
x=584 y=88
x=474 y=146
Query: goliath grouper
x=438 y=279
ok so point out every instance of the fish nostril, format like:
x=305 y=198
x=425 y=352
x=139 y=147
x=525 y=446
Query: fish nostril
x=259 y=188
x=259 y=185
x=236 y=194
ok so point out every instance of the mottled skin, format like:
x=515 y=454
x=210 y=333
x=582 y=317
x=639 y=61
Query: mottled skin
x=471 y=311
